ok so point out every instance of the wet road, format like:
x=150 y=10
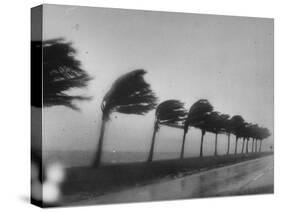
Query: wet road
x=255 y=176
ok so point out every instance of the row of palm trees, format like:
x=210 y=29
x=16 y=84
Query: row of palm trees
x=131 y=94
x=172 y=113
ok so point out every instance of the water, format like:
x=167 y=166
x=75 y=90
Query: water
x=83 y=158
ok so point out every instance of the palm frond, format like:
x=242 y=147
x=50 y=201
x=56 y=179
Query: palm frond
x=198 y=111
x=209 y=123
x=61 y=72
x=129 y=94
x=264 y=133
x=237 y=124
x=171 y=113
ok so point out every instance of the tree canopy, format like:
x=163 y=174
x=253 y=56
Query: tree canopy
x=129 y=94
x=237 y=124
x=171 y=113
x=198 y=112
x=61 y=73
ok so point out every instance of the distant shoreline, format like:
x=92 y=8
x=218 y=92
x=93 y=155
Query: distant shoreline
x=81 y=158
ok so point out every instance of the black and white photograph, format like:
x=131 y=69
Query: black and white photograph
x=136 y=105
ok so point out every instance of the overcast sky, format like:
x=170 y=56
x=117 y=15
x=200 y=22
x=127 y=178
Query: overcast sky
x=227 y=60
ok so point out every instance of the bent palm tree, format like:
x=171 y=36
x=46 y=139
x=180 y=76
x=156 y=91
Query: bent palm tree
x=196 y=114
x=248 y=134
x=129 y=94
x=247 y=145
x=256 y=145
x=228 y=130
x=244 y=134
x=254 y=134
x=218 y=126
x=60 y=73
x=237 y=124
x=253 y=144
x=263 y=134
x=170 y=113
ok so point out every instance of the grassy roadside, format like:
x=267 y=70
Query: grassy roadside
x=84 y=182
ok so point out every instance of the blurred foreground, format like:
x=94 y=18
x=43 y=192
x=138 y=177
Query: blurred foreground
x=168 y=179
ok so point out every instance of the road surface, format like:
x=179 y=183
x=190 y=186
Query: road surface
x=250 y=177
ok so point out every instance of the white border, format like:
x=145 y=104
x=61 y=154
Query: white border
x=15 y=101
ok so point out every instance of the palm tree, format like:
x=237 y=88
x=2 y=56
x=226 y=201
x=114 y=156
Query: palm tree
x=248 y=135
x=237 y=123
x=257 y=136
x=61 y=72
x=256 y=145
x=197 y=113
x=253 y=132
x=170 y=113
x=263 y=134
x=247 y=145
x=129 y=94
x=253 y=144
x=221 y=127
x=228 y=130
x=216 y=126
x=244 y=133
x=243 y=145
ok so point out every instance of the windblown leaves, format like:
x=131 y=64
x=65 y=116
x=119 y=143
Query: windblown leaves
x=223 y=122
x=129 y=94
x=263 y=133
x=215 y=122
x=198 y=112
x=61 y=72
x=171 y=113
x=244 y=130
x=237 y=124
x=254 y=131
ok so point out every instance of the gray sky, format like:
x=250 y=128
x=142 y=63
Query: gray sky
x=228 y=60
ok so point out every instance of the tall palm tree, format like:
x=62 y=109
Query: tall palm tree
x=61 y=72
x=244 y=133
x=248 y=135
x=243 y=145
x=170 y=113
x=196 y=114
x=253 y=144
x=221 y=127
x=216 y=126
x=256 y=145
x=254 y=134
x=247 y=145
x=263 y=134
x=228 y=130
x=129 y=94
x=237 y=123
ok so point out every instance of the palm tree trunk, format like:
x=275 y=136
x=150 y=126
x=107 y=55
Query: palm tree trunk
x=260 y=145
x=243 y=146
x=216 y=145
x=183 y=143
x=247 y=146
x=202 y=140
x=236 y=144
x=228 y=143
x=256 y=146
x=151 y=151
x=253 y=141
x=98 y=154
